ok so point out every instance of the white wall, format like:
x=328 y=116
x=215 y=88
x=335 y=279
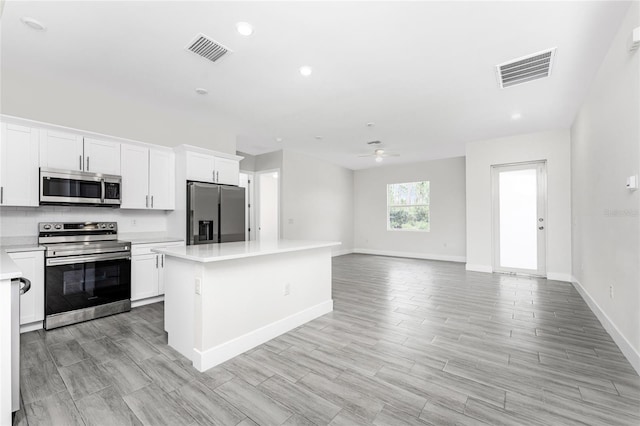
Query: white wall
x=23 y=221
x=112 y=113
x=317 y=201
x=605 y=149
x=446 y=239
x=552 y=146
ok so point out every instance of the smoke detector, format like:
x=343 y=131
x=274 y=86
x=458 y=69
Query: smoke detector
x=207 y=47
x=526 y=68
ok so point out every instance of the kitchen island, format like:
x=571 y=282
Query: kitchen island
x=224 y=299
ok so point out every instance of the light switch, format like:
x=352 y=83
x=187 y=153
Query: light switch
x=632 y=182
x=198 y=285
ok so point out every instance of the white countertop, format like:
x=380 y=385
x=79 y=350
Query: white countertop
x=19 y=244
x=225 y=251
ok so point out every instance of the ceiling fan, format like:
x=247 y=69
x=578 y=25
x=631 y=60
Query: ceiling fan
x=380 y=154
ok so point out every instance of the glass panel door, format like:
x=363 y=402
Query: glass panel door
x=519 y=218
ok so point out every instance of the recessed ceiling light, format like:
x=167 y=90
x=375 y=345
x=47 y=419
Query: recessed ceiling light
x=278 y=139
x=370 y=124
x=516 y=116
x=33 y=23
x=306 y=70
x=378 y=159
x=319 y=138
x=244 y=28
x=201 y=91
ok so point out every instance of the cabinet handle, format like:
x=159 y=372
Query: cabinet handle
x=87 y=163
x=80 y=161
x=146 y=201
x=152 y=201
x=162 y=259
x=214 y=175
x=217 y=176
x=156 y=261
x=1 y=194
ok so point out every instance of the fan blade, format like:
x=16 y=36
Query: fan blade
x=366 y=155
x=390 y=155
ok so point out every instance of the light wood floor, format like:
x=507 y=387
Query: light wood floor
x=410 y=342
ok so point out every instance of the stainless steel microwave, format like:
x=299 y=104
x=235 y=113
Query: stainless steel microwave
x=66 y=187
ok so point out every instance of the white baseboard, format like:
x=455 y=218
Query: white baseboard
x=32 y=326
x=147 y=301
x=479 y=268
x=411 y=255
x=211 y=357
x=559 y=276
x=627 y=349
x=341 y=252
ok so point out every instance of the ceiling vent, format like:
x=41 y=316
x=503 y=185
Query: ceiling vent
x=207 y=48
x=524 y=69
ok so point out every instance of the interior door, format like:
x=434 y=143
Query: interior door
x=268 y=205
x=519 y=218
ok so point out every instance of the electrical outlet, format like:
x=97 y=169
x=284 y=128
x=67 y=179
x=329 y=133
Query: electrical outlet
x=287 y=289
x=198 y=286
x=611 y=291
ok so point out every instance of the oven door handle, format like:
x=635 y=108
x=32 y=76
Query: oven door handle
x=86 y=259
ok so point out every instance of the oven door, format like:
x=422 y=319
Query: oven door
x=77 y=282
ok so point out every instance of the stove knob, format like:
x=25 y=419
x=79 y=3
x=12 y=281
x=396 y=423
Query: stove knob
x=111 y=226
x=58 y=226
x=102 y=225
x=47 y=227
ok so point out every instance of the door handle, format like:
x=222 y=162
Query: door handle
x=541 y=227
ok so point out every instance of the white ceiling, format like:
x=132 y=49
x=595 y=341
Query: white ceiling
x=423 y=72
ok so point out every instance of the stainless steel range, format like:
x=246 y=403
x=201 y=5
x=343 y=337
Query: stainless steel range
x=87 y=271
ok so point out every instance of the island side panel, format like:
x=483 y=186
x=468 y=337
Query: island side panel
x=244 y=302
x=180 y=310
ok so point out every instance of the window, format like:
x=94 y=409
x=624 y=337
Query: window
x=408 y=206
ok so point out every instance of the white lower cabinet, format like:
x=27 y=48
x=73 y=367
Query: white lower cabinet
x=147 y=270
x=31 y=263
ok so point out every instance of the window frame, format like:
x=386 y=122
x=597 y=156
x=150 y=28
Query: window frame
x=389 y=206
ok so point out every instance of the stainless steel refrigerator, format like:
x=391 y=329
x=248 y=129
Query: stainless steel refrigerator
x=215 y=213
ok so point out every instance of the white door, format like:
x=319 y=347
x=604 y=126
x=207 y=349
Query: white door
x=144 y=276
x=18 y=166
x=31 y=264
x=227 y=171
x=135 y=177
x=101 y=156
x=246 y=182
x=161 y=179
x=200 y=167
x=61 y=150
x=519 y=218
x=268 y=205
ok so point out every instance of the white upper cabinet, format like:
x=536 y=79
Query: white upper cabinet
x=161 y=179
x=209 y=168
x=200 y=167
x=148 y=178
x=227 y=171
x=68 y=151
x=61 y=150
x=18 y=166
x=101 y=156
x=134 y=162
